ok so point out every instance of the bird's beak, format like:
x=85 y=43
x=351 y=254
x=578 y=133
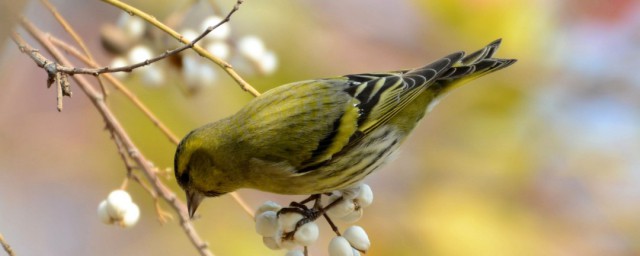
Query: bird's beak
x=194 y=199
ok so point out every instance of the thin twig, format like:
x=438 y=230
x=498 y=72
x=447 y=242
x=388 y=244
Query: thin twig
x=69 y=49
x=201 y=51
x=163 y=216
x=59 y=91
x=145 y=165
x=128 y=68
x=122 y=152
x=247 y=209
x=119 y=86
x=67 y=27
x=61 y=70
x=331 y=224
x=6 y=246
x=75 y=37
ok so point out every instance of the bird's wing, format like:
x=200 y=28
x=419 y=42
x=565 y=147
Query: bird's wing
x=307 y=123
x=320 y=119
x=383 y=95
x=299 y=123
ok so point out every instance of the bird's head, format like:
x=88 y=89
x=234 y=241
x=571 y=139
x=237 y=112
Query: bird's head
x=197 y=168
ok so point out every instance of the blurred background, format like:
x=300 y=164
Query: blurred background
x=541 y=158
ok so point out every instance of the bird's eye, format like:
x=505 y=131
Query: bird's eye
x=184 y=177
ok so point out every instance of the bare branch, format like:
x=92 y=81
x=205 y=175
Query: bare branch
x=204 y=53
x=59 y=91
x=133 y=152
x=97 y=71
x=119 y=86
x=6 y=246
x=63 y=22
x=132 y=97
x=59 y=70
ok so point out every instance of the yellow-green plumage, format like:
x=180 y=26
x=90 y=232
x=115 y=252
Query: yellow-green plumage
x=320 y=135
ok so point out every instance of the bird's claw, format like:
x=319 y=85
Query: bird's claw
x=308 y=214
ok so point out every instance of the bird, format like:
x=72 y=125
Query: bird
x=320 y=135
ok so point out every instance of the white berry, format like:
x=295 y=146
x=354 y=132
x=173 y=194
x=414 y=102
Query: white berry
x=268 y=206
x=220 y=33
x=352 y=216
x=307 y=234
x=251 y=47
x=116 y=63
x=139 y=54
x=351 y=193
x=289 y=220
x=268 y=62
x=365 y=197
x=189 y=34
x=218 y=49
x=103 y=214
x=132 y=26
x=118 y=202
x=339 y=246
x=131 y=216
x=152 y=75
x=294 y=253
x=267 y=223
x=340 y=209
x=271 y=243
x=358 y=238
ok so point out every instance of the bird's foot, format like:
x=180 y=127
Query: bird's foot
x=309 y=214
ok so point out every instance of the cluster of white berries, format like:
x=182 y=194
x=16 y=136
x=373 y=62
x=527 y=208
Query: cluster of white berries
x=353 y=241
x=254 y=55
x=131 y=31
x=354 y=200
x=119 y=209
x=247 y=54
x=280 y=229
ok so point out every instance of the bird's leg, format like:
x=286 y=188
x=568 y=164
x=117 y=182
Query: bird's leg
x=299 y=207
x=309 y=215
x=294 y=207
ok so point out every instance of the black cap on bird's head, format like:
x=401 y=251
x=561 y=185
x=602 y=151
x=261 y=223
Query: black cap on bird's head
x=181 y=171
x=194 y=169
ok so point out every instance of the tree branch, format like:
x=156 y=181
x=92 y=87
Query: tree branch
x=59 y=70
x=76 y=38
x=201 y=51
x=6 y=246
x=119 y=86
x=145 y=165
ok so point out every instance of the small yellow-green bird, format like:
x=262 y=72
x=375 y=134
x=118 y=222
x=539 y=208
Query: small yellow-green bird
x=319 y=135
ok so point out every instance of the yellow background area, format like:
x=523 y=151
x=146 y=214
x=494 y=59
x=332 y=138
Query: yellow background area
x=540 y=158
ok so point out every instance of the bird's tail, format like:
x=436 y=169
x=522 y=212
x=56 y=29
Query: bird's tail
x=468 y=67
x=478 y=63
